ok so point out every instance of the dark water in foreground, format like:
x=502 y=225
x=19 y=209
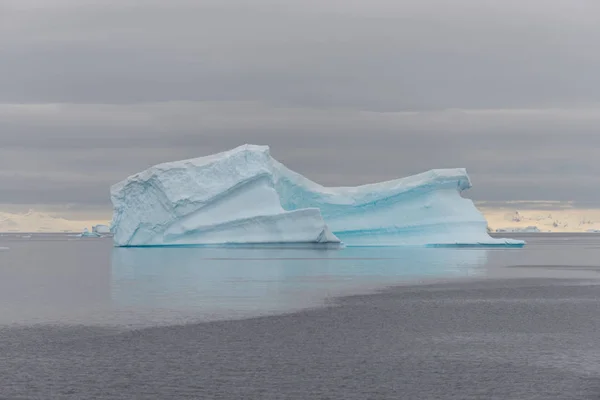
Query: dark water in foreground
x=79 y=320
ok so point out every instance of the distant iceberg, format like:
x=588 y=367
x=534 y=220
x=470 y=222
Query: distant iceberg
x=87 y=233
x=527 y=229
x=244 y=196
x=101 y=229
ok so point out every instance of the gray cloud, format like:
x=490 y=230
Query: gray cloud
x=345 y=92
x=384 y=55
x=72 y=153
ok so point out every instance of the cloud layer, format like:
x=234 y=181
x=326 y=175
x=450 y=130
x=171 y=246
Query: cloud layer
x=345 y=92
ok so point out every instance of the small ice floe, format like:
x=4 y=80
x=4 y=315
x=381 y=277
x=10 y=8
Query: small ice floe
x=87 y=233
x=101 y=229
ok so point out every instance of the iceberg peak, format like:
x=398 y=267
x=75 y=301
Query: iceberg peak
x=244 y=196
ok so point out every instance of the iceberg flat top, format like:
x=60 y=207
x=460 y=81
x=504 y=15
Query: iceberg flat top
x=243 y=195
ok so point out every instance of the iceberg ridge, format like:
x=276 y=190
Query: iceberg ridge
x=244 y=196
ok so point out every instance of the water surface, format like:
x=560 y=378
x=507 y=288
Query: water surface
x=48 y=278
x=80 y=319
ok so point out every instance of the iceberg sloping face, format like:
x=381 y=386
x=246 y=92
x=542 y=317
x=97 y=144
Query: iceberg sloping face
x=245 y=196
x=424 y=209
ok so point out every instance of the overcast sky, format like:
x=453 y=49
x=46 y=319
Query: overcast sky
x=344 y=91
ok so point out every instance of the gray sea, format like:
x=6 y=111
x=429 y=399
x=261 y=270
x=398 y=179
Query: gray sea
x=80 y=319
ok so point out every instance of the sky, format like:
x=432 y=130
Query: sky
x=344 y=91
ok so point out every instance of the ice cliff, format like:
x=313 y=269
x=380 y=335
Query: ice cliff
x=244 y=196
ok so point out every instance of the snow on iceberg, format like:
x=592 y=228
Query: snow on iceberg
x=244 y=196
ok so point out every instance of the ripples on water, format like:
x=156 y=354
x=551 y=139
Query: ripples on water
x=79 y=319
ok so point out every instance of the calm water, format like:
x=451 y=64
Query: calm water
x=57 y=278
x=81 y=319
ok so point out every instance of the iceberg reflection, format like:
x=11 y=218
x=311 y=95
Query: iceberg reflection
x=215 y=283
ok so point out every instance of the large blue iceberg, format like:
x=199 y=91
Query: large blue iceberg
x=244 y=196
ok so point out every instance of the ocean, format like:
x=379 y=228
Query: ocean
x=81 y=319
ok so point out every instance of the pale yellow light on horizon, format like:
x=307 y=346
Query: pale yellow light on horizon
x=562 y=217
x=546 y=220
x=34 y=221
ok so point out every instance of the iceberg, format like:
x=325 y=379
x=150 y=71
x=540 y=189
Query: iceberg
x=244 y=196
x=87 y=233
x=101 y=229
x=527 y=229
